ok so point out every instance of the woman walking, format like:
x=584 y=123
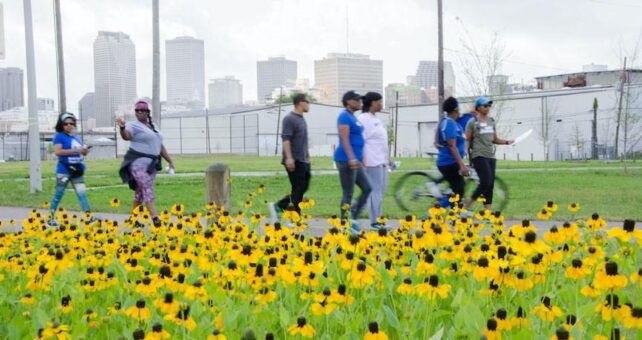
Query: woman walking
x=143 y=159
x=481 y=137
x=70 y=167
x=450 y=159
x=375 y=155
x=348 y=157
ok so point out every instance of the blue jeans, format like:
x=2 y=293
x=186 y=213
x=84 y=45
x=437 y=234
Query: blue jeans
x=349 y=177
x=79 y=186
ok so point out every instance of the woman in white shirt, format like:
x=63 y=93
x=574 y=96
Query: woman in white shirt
x=375 y=154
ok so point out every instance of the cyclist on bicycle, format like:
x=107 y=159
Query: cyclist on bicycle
x=481 y=137
x=450 y=159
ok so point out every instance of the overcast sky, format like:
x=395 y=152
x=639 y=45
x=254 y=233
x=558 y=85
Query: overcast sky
x=542 y=37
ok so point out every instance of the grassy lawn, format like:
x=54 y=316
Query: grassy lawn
x=608 y=192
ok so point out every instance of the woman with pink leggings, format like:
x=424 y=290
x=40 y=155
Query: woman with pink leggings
x=143 y=159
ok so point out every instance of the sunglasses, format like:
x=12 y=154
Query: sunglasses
x=67 y=124
x=488 y=105
x=146 y=111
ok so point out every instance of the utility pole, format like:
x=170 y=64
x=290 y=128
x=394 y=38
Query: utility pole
x=278 y=122
x=594 y=131
x=35 y=176
x=440 y=61
x=62 y=97
x=396 y=120
x=619 y=109
x=156 y=109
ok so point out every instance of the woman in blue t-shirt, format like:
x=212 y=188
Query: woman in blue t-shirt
x=348 y=157
x=70 y=167
x=450 y=160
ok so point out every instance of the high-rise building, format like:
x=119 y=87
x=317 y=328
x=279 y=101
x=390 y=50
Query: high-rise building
x=408 y=95
x=274 y=73
x=11 y=88
x=225 y=92
x=185 y=69
x=427 y=77
x=341 y=72
x=114 y=76
x=87 y=110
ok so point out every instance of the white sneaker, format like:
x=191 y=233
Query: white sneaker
x=434 y=190
x=273 y=212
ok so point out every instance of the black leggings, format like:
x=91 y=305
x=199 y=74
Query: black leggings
x=485 y=168
x=454 y=178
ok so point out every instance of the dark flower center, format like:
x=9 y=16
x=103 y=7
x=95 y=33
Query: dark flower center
x=562 y=334
x=433 y=280
x=140 y=304
x=300 y=321
x=611 y=268
x=361 y=267
x=491 y=325
x=530 y=237
x=629 y=225
x=577 y=263
x=373 y=327
x=501 y=314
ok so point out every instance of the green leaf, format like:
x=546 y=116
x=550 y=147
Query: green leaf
x=284 y=317
x=391 y=317
x=438 y=335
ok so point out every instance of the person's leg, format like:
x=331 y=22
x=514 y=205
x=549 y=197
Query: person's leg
x=299 y=184
x=150 y=198
x=81 y=192
x=451 y=174
x=61 y=185
x=287 y=199
x=144 y=187
x=376 y=178
x=482 y=167
x=492 y=164
x=347 y=177
x=366 y=188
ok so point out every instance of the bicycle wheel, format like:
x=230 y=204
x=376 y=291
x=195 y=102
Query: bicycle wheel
x=500 y=194
x=412 y=192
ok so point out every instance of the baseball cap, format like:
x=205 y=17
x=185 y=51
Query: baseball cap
x=350 y=95
x=482 y=101
x=141 y=105
x=67 y=115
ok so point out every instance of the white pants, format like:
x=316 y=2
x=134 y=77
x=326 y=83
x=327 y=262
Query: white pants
x=378 y=176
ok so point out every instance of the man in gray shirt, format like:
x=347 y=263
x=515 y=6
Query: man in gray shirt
x=296 y=157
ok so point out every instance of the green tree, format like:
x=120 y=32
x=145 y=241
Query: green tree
x=288 y=99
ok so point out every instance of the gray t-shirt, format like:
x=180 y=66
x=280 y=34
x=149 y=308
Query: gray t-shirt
x=483 y=134
x=295 y=130
x=144 y=139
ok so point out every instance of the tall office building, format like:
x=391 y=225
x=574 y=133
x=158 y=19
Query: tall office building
x=427 y=78
x=185 y=69
x=274 y=73
x=341 y=72
x=87 y=110
x=114 y=76
x=225 y=92
x=11 y=88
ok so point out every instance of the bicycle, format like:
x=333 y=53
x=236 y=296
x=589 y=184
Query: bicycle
x=416 y=191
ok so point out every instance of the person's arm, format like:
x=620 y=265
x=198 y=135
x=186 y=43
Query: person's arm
x=166 y=156
x=497 y=140
x=344 y=137
x=469 y=137
x=124 y=134
x=287 y=151
x=59 y=151
x=452 y=146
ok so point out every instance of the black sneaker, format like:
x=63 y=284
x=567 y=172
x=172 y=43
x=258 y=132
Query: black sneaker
x=157 y=221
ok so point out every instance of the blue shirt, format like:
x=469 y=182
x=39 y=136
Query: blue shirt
x=450 y=129
x=68 y=142
x=356 y=137
x=463 y=119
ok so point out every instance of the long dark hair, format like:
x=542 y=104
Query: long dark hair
x=60 y=124
x=368 y=99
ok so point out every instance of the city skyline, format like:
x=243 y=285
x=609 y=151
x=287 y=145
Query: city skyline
x=404 y=36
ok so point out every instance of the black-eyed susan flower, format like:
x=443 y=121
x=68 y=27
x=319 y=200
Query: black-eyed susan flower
x=491 y=332
x=182 y=318
x=158 y=333
x=362 y=275
x=573 y=207
x=56 y=330
x=178 y=209
x=45 y=205
x=406 y=287
x=216 y=335
x=138 y=311
x=65 y=304
x=562 y=334
x=323 y=307
x=551 y=207
x=596 y=222
x=114 y=202
x=611 y=308
x=608 y=278
x=28 y=299
x=546 y=311
x=167 y=305
x=633 y=319
x=544 y=215
x=302 y=328
x=626 y=233
x=374 y=333
x=577 y=270
x=519 y=320
x=431 y=288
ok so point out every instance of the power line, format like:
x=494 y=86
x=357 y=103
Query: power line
x=510 y=61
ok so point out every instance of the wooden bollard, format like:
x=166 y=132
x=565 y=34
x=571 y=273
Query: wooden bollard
x=218 y=187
